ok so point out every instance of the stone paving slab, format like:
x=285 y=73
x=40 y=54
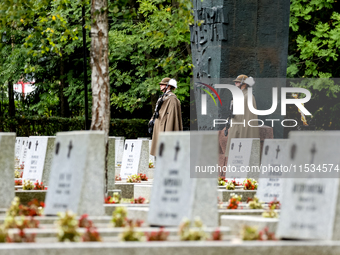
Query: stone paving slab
x=178 y=248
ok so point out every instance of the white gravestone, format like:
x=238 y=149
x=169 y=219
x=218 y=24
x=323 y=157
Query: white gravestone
x=23 y=151
x=111 y=164
x=77 y=174
x=274 y=157
x=175 y=194
x=119 y=148
x=18 y=146
x=243 y=159
x=135 y=157
x=7 y=156
x=151 y=157
x=39 y=158
x=311 y=205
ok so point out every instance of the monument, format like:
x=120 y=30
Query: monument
x=230 y=38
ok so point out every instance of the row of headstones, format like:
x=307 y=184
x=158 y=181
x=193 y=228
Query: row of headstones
x=78 y=180
x=39 y=152
x=301 y=172
x=43 y=163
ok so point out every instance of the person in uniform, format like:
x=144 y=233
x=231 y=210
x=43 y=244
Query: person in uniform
x=238 y=130
x=170 y=115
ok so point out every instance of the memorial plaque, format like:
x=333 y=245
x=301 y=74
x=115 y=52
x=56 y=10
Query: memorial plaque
x=77 y=174
x=7 y=156
x=175 y=195
x=119 y=145
x=135 y=157
x=311 y=205
x=274 y=157
x=244 y=159
x=39 y=158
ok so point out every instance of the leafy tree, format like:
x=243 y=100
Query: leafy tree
x=49 y=46
x=149 y=40
x=314 y=42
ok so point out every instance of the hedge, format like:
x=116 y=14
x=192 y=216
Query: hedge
x=49 y=126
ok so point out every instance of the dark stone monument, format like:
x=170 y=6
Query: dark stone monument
x=232 y=37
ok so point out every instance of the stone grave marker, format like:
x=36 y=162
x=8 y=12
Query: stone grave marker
x=274 y=156
x=310 y=199
x=151 y=157
x=23 y=153
x=39 y=158
x=18 y=146
x=135 y=157
x=111 y=163
x=119 y=149
x=7 y=156
x=244 y=153
x=175 y=194
x=77 y=174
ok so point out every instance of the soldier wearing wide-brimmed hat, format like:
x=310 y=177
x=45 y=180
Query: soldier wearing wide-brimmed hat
x=168 y=114
x=239 y=131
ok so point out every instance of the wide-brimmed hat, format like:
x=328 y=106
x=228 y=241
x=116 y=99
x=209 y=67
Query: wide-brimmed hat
x=168 y=81
x=164 y=81
x=241 y=78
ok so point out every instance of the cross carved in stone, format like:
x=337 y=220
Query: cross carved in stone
x=132 y=147
x=36 y=145
x=239 y=147
x=277 y=151
x=161 y=148
x=57 y=148
x=313 y=151
x=69 y=149
x=177 y=148
x=266 y=150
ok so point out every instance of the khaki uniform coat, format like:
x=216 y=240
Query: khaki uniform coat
x=170 y=119
x=238 y=130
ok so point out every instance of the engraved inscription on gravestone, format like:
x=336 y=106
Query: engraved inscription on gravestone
x=274 y=156
x=23 y=152
x=175 y=194
x=77 y=173
x=311 y=197
x=39 y=158
x=135 y=157
x=36 y=158
x=244 y=159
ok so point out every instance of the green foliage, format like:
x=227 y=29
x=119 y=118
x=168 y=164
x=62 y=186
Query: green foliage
x=119 y=217
x=41 y=38
x=151 y=43
x=67 y=227
x=49 y=126
x=188 y=233
x=314 y=39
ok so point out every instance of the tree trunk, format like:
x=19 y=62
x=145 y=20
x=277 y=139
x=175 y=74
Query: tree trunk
x=100 y=72
x=64 y=108
x=11 y=109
